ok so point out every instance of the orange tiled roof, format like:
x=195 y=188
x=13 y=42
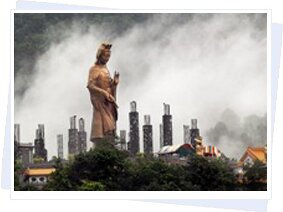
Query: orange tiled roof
x=256 y=153
x=39 y=171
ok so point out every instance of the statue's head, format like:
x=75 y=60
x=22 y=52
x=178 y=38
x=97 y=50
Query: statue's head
x=103 y=53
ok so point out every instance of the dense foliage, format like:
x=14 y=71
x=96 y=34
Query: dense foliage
x=255 y=177
x=106 y=168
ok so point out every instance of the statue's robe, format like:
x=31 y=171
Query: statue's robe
x=104 y=112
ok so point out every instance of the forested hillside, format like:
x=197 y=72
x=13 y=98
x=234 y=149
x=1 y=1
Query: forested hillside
x=32 y=34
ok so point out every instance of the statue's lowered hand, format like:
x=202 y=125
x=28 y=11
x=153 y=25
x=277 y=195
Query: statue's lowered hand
x=111 y=98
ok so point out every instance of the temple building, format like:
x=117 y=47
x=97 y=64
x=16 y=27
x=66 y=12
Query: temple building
x=253 y=154
x=176 y=153
x=37 y=174
x=250 y=156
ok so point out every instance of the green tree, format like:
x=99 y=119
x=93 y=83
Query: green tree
x=149 y=173
x=91 y=186
x=60 y=180
x=17 y=170
x=210 y=174
x=104 y=164
x=38 y=160
x=255 y=176
x=106 y=168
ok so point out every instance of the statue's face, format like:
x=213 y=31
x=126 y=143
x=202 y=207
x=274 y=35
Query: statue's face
x=105 y=56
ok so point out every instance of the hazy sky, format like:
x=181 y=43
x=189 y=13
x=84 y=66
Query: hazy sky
x=200 y=65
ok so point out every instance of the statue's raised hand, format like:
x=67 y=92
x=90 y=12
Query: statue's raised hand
x=116 y=78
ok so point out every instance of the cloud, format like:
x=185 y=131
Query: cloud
x=233 y=134
x=200 y=64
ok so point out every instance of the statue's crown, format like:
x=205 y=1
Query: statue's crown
x=106 y=45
